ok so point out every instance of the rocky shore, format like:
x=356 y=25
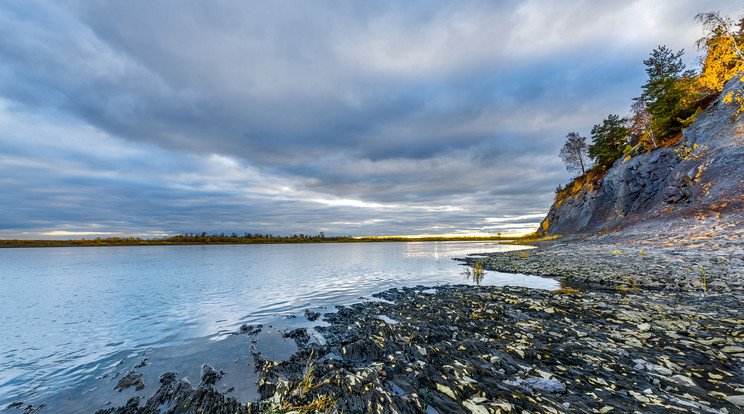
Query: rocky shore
x=617 y=262
x=635 y=330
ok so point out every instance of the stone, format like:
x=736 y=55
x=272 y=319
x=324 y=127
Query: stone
x=209 y=375
x=311 y=316
x=737 y=400
x=446 y=390
x=131 y=379
x=543 y=384
x=474 y=407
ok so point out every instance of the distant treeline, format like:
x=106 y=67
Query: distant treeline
x=222 y=238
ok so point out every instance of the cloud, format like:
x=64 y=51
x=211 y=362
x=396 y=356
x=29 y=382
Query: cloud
x=375 y=117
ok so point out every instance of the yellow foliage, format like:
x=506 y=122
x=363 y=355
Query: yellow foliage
x=567 y=291
x=721 y=63
x=724 y=59
x=693 y=152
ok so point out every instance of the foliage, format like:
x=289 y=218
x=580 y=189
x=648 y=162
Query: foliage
x=666 y=94
x=575 y=153
x=630 y=286
x=735 y=98
x=702 y=279
x=608 y=140
x=298 y=398
x=247 y=238
x=721 y=45
x=639 y=126
x=691 y=152
x=532 y=238
x=671 y=100
x=476 y=272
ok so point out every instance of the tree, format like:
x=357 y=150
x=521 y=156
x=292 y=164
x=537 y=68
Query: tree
x=639 y=126
x=608 y=139
x=575 y=153
x=724 y=58
x=664 y=94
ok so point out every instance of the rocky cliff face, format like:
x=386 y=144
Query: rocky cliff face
x=695 y=186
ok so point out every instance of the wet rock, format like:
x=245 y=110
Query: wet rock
x=209 y=375
x=621 y=342
x=311 y=316
x=300 y=336
x=543 y=384
x=131 y=379
x=737 y=400
x=246 y=329
x=30 y=409
x=168 y=377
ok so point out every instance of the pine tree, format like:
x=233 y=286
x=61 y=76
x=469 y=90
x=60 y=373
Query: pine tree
x=666 y=98
x=608 y=139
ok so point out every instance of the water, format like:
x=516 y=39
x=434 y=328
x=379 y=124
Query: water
x=70 y=315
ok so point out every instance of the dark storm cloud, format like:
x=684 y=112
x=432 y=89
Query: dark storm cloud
x=368 y=117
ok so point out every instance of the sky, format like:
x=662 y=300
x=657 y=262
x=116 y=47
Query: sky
x=366 y=118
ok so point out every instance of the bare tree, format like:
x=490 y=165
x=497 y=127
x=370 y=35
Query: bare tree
x=639 y=123
x=717 y=26
x=575 y=153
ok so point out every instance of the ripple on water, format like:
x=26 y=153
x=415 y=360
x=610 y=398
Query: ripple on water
x=116 y=301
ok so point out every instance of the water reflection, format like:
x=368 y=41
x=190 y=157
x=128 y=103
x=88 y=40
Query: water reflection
x=64 y=310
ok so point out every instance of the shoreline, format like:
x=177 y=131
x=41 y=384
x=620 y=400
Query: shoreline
x=20 y=243
x=619 y=341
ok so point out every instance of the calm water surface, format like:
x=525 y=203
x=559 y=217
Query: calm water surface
x=67 y=313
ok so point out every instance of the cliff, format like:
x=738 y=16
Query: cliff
x=693 y=187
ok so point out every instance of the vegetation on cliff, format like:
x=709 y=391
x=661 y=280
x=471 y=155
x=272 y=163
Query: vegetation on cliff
x=670 y=101
x=678 y=153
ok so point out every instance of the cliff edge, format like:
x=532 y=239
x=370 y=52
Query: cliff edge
x=694 y=188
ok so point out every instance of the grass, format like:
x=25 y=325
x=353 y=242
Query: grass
x=298 y=393
x=631 y=286
x=567 y=291
x=476 y=272
x=702 y=276
x=532 y=238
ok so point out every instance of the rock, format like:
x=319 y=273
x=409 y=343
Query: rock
x=300 y=336
x=498 y=346
x=209 y=375
x=654 y=192
x=638 y=396
x=737 y=400
x=131 y=379
x=168 y=377
x=446 y=390
x=543 y=384
x=732 y=349
x=474 y=407
x=311 y=316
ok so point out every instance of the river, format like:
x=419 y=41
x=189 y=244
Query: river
x=71 y=316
